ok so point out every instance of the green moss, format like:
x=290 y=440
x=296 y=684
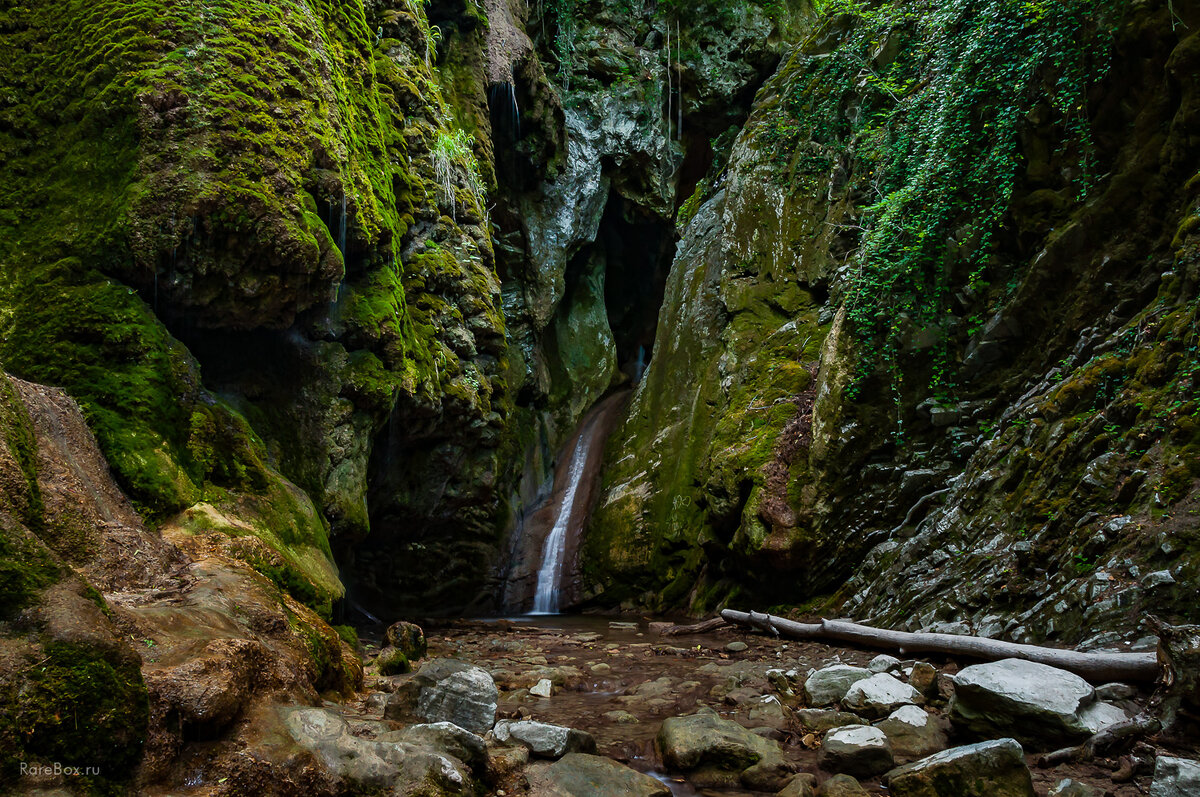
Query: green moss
x=393 y=662
x=79 y=709
x=349 y=635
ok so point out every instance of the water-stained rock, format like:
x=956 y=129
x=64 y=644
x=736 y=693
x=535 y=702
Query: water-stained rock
x=913 y=732
x=705 y=739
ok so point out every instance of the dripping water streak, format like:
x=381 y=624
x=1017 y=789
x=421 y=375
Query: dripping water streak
x=546 y=601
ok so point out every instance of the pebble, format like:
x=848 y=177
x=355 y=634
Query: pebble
x=736 y=647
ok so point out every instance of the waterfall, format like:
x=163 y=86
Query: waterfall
x=549 y=575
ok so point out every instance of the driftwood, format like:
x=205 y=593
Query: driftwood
x=1112 y=740
x=696 y=628
x=1095 y=667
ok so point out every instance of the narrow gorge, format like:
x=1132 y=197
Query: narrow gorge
x=394 y=393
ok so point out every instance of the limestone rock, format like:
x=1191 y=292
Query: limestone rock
x=580 y=775
x=829 y=685
x=859 y=750
x=542 y=739
x=447 y=690
x=704 y=739
x=913 y=732
x=543 y=688
x=842 y=786
x=880 y=695
x=987 y=769
x=1175 y=777
x=1038 y=705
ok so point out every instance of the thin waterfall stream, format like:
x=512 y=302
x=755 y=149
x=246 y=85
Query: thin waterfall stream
x=547 y=541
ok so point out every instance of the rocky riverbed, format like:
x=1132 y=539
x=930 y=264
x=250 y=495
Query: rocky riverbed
x=592 y=706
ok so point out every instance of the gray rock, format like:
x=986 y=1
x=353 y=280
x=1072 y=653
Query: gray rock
x=769 y=775
x=447 y=738
x=1072 y=788
x=880 y=695
x=1116 y=692
x=1100 y=715
x=858 y=750
x=1175 y=777
x=542 y=739
x=884 y=663
x=375 y=765
x=913 y=732
x=736 y=646
x=706 y=739
x=988 y=769
x=829 y=685
x=447 y=690
x=1158 y=578
x=580 y=775
x=543 y=688
x=1040 y=706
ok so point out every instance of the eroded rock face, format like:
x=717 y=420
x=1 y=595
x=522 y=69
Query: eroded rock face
x=988 y=769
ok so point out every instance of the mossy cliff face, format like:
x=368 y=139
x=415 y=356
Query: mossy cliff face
x=990 y=281
x=284 y=190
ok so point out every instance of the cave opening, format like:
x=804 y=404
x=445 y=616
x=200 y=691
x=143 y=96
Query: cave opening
x=638 y=246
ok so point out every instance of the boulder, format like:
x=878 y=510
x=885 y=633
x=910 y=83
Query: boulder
x=880 y=695
x=842 y=786
x=408 y=638
x=447 y=738
x=820 y=720
x=987 y=769
x=859 y=750
x=913 y=732
x=770 y=775
x=580 y=775
x=1038 y=705
x=542 y=739
x=1175 y=777
x=924 y=678
x=884 y=663
x=829 y=685
x=373 y=765
x=447 y=690
x=704 y=739
x=391 y=661
x=803 y=785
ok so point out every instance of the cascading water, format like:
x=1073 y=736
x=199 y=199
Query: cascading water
x=546 y=599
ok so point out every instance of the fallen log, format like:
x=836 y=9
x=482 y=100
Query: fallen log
x=1114 y=739
x=696 y=628
x=1095 y=667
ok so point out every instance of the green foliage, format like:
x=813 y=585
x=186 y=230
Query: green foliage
x=451 y=150
x=948 y=88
